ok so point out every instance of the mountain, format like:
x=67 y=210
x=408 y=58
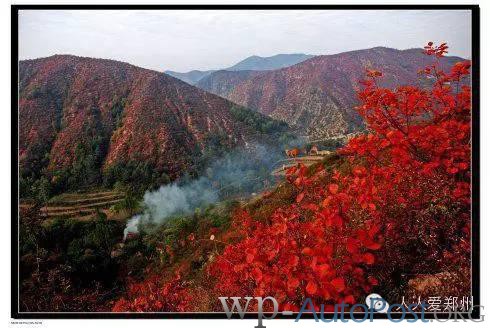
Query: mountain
x=252 y=63
x=191 y=77
x=257 y=63
x=223 y=82
x=84 y=119
x=318 y=96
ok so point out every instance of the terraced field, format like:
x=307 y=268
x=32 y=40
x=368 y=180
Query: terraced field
x=81 y=206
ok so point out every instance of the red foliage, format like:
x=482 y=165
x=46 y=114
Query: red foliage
x=406 y=181
x=152 y=295
x=319 y=246
x=414 y=158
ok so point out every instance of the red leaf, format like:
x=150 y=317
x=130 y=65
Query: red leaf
x=349 y=299
x=293 y=261
x=307 y=251
x=311 y=288
x=257 y=274
x=338 y=283
x=333 y=188
x=293 y=283
x=373 y=246
x=300 y=197
x=368 y=258
x=323 y=269
x=352 y=246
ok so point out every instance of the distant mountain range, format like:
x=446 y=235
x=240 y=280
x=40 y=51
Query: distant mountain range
x=80 y=117
x=252 y=63
x=318 y=96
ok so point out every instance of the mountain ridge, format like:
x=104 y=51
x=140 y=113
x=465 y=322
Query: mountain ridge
x=319 y=95
x=91 y=115
x=251 y=63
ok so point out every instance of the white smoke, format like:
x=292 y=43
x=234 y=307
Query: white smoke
x=237 y=173
x=132 y=225
x=171 y=200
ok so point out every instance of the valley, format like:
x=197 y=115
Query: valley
x=283 y=176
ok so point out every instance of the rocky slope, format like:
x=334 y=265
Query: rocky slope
x=92 y=114
x=318 y=96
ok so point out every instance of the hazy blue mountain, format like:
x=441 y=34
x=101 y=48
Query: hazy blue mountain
x=252 y=63
x=257 y=63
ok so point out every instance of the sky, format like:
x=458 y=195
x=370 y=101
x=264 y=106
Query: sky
x=213 y=39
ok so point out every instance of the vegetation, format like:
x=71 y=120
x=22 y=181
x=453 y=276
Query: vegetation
x=392 y=204
x=39 y=184
x=258 y=121
x=72 y=265
x=39 y=190
x=388 y=211
x=117 y=111
x=217 y=146
x=138 y=176
x=66 y=265
x=277 y=130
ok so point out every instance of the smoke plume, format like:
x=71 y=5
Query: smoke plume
x=238 y=173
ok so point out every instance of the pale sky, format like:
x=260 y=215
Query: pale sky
x=213 y=39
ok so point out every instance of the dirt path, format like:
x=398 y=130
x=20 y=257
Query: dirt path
x=285 y=164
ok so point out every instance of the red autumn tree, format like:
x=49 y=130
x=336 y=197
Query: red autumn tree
x=396 y=202
x=406 y=188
